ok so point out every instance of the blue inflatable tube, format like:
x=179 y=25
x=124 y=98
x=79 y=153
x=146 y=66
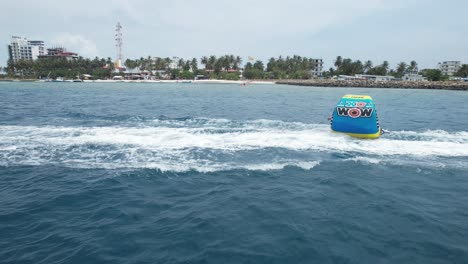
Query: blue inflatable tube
x=355 y=115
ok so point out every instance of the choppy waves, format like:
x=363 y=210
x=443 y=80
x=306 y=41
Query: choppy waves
x=218 y=144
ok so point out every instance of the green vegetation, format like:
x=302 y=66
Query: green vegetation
x=3 y=72
x=463 y=71
x=434 y=75
x=349 y=67
x=226 y=67
x=60 y=67
x=295 y=67
x=223 y=67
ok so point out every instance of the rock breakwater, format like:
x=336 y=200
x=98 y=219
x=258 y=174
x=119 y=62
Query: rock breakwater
x=447 y=85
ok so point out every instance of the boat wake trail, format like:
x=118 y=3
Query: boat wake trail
x=218 y=144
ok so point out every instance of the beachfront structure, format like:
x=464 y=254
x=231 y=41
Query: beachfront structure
x=345 y=77
x=449 y=67
x=413 y=77
x=374 y=77
x=137 y=74
x=366 y=77
x=60 y=52
x=174 y=65
x=318 y=67
x=24 y=49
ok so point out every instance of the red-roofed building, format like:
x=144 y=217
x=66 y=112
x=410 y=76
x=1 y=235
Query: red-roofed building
x=60 y=53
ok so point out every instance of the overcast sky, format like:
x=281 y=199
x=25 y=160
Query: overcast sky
x=399 y=30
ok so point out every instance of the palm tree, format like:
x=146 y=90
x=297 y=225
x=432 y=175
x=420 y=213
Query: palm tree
x=338 y=62
x=385 y=65
x=158 y=63
x=413 y=68
x=281 y=64
x=180 y=63
x=367 y=65
x=204 y=61
x=248 y=66
x=258 y=65
x=463 y=71
x=288 y=64
x=271 y=65
x=149 y=63
x=231 y=61
x=167 y=62
x=187 y=65
x=357 y=67
x=226 y=62
x=218 y=65
x=237 y=62
x=211 y=62
x=401 y=69
x=194 y=65
x=109 y=63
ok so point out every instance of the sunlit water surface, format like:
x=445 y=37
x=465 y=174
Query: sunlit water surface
x=192 y=173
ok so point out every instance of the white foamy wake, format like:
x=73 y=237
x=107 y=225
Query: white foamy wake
x=214 y=144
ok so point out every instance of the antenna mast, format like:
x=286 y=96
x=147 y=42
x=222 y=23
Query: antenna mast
x=119 y=42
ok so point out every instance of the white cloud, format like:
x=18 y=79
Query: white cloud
x=77 y=43
x=274 y=17
x=260 y=28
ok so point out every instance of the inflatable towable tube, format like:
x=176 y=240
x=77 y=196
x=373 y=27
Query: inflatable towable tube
x=355 y=115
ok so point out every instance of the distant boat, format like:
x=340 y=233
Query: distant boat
x=48 y=79
x=77 y=80
x=186 y=81
x=58 y=79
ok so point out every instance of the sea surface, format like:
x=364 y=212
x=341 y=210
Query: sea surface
x=212 y=173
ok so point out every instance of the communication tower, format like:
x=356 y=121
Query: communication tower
x=119 y=44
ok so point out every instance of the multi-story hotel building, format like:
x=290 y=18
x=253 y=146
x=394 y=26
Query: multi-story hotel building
x=449 y=67
x=59 y=52
x=23 y=49
x=318 y=67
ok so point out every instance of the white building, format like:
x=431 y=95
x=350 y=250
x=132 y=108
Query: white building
x=60 y=52
x=374 y=77
x=318 y=67
x=449 y=67
x=174 y=65
x=413 y=77
x=23 y=49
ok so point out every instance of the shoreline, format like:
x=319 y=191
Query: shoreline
x=182 y=81
x=428 y=85
x=240 y=82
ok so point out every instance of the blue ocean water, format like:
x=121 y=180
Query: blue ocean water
x=193 y=173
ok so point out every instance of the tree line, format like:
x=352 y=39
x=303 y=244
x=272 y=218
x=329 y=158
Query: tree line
x=295 y=67
x=216 y=67
x=347 y=66
x=60 y=67
x=223 y=67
